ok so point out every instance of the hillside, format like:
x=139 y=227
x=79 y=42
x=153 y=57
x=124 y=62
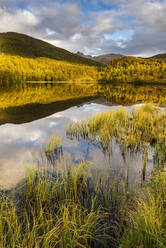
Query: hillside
x=159 y=56
x=106 y=58
x=26 y=46
x=16 y=69
x=131 y=69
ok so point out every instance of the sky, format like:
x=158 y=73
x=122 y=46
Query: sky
x=95 y=27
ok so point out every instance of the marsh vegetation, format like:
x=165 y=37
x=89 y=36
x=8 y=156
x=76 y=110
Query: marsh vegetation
x=133 y=130
x=70 y=208
x=80 y=205
x=77 y=206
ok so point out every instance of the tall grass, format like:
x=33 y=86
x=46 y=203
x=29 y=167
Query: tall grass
x=142 y=220
x=73 y=207
x=53 y=148
x=146 y=222
x=132 y=130
x=159 y=157
x=78 y=208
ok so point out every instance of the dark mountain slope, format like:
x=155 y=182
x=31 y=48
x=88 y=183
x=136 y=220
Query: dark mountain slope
x=26 y=46
x=159 y=56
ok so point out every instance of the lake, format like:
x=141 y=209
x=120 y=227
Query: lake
x=31 y=113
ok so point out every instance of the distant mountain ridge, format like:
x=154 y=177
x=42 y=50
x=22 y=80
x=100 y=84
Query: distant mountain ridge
x=158 y=56
x=85 y=56
x=104 y=59
x=23 y=45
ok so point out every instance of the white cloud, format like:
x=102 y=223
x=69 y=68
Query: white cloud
x=18 y=20
x=105 y=22
x=150 y=24
x=62 y=18
x=127 y=26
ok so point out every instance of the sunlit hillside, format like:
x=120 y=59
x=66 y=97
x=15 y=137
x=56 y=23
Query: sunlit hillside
x=17 y=68
x=130 y=69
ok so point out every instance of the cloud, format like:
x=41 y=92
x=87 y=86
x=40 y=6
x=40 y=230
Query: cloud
x=63 y=18
x=18 y=21
x=133 y=27
x=149 y=23
x=104 y=22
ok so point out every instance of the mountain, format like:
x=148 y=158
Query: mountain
x=104 y=59
x=25 y=46
x=158 y=56
x=84 y=56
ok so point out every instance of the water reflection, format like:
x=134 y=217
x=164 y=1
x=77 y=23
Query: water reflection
x=20 y=144
x=129 y=94
x=41 y=110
